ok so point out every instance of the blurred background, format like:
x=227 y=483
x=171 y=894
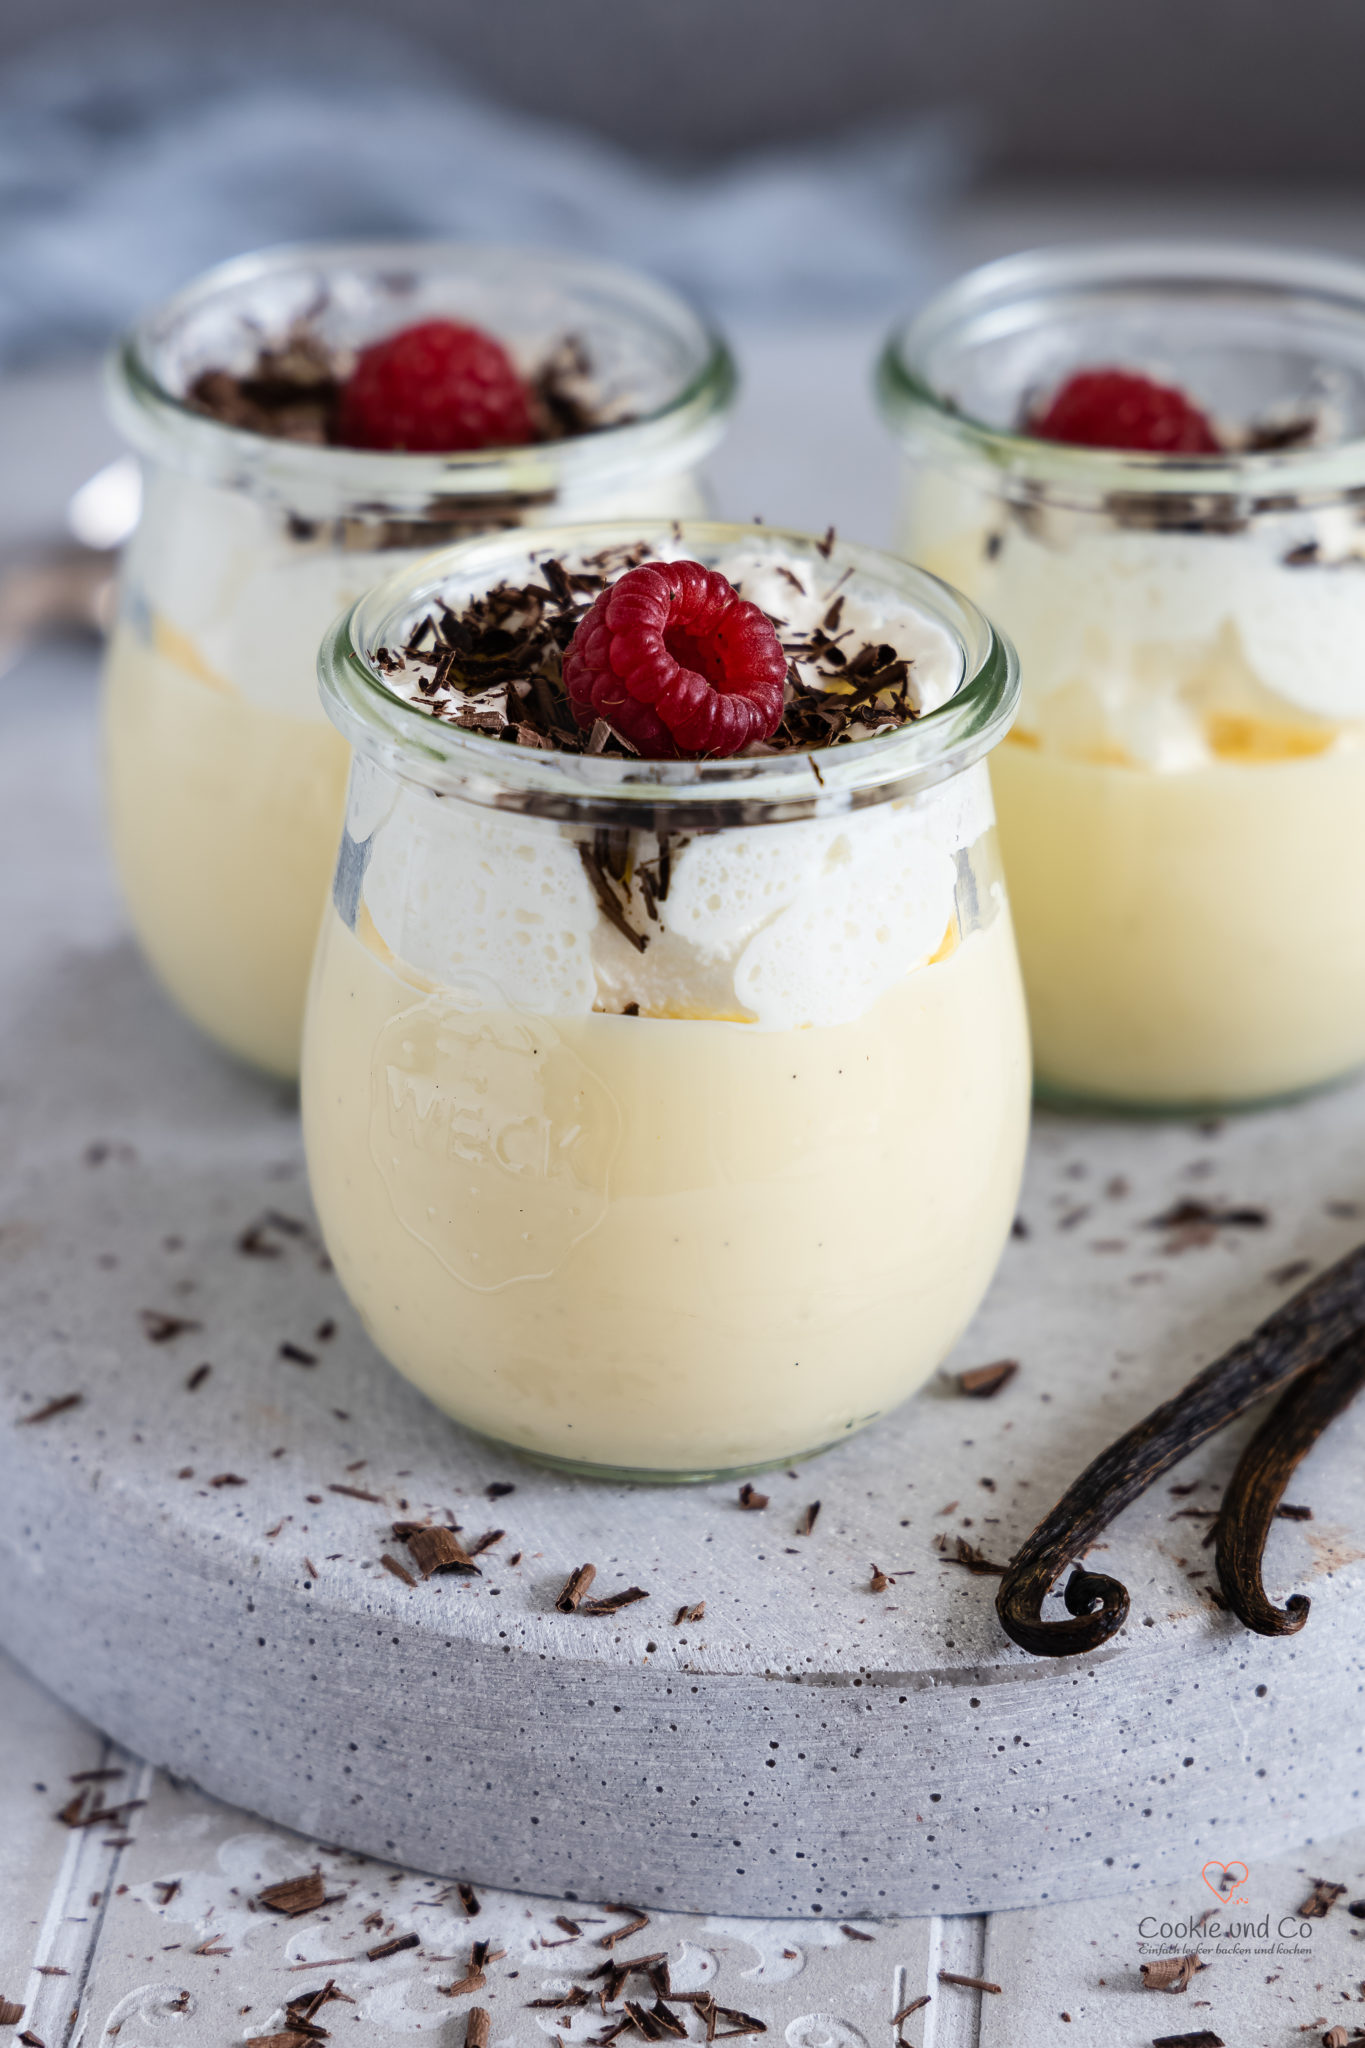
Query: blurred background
x=808 y=168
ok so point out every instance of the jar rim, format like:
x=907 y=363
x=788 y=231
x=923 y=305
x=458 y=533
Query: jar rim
x=910 y=400
x=161 y=423
x=675 y=795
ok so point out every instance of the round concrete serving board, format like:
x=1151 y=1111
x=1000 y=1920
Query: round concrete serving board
x=193 y=1553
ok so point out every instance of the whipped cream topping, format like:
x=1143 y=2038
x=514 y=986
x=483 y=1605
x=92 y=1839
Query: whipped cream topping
x=778 y=926
x=1142 y=639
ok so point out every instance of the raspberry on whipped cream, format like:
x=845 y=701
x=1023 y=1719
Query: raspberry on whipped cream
x=1122 y=409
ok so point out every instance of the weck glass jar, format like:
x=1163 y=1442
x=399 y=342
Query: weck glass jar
x=1182 y=799
x=225 y=782
x=666 y=1117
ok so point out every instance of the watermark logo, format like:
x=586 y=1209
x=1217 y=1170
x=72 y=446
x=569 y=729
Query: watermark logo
x=1227 y=1882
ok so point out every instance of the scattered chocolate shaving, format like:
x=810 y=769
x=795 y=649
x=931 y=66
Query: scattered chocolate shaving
x=197 y=1378
x=353 y=1492
x=469 y=1899
x=486 y=1541
x=435 y=1549
x=738 y=2022
x=1170 y=1973
x=477 y=2027
x=294 y=1895
x=399 y=1571
x=967 y=1555
x=166 y=1888
x=498 y=1489
x=565 y=2002
x=254 y=1244
x=211 y=1946
x=57 y=1407
x=915 y=2005
x=1288 y=1511
x=575 y=1586
x=160 y=1328
x=1203 y=2039
x=968 y=1983
x=32 y=2040
x=855 y=1933
x=693 y=1613
x=228 y=1479
x=879 y=1580
x=391 y=1948
x=1192 y=1223
x=806 y=1521
x=10 y=2013
x=982 y=1381
x=296 y=1354
x=613 y=1602
x=566 y=1925
x=473 y=1979
x=1336 y=2037
x=751 y=1498
x=1356 y=1909
x=103 y=1776
x=1321 y=1899
x=635 y=1922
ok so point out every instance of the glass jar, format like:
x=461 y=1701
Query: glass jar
x=225 y=782
x=1182 y=802
x=707 y=1175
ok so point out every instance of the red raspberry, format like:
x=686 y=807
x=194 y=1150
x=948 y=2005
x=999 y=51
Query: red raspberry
x=433 y=389
x=1119 y=409
x=675 y=659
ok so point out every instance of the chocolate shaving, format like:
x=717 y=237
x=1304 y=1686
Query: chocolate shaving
x=486 y=1541
x=983 y=1381
x=473 y=1979
x=613 y=1602
x=469 y=1899
x=751 y=1498
x=968 y=1556
x=477 y=2027
x=968 y=1983
x=296 y=1354
x=1203 y=2039
x=915 y=2005
x=160 y=1328
x=498 y=1489
x=294 y=1895
x=353 y=1492
x=855 y=1933
x=10 y=2013
x=391 y=1948
x=636 y=1921
x=227 y=1479
x=435 y=1549
x=57 y=1407
x=807 y=1519
x=399 y=1571
x=879 y=1580
x=1170 y=1973
x=693 y=1613
x=1321 y=1899
x=197 y=1378
x=570 y=1594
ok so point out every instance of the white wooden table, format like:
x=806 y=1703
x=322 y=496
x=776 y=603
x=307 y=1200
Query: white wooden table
x=100 y=1927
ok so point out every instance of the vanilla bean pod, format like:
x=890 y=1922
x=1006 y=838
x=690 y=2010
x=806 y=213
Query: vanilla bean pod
x=1312 y=1402
x=1297 y=1335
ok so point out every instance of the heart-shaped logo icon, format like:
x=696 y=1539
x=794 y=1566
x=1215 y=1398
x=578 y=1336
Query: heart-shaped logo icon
x=1225 y=1881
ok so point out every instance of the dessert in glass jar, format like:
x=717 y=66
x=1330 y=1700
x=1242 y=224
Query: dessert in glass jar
x=310 y=418
x=1148 y=463
x=665 y=1081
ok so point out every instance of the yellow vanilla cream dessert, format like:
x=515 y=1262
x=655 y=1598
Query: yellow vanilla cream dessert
x=1182 y=798
x=225 y=782
x=667 y=1116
